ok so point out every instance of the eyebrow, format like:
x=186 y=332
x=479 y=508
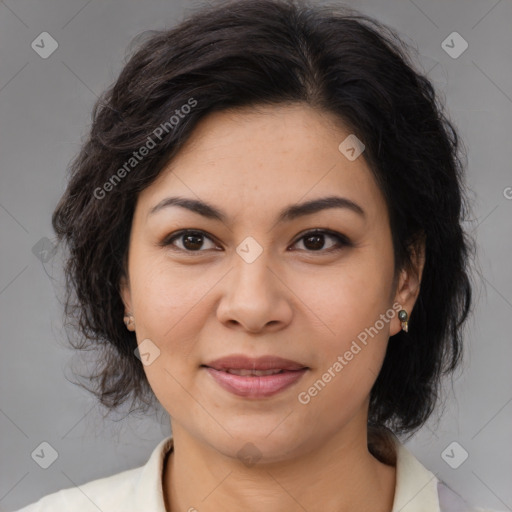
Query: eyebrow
x=287 y=214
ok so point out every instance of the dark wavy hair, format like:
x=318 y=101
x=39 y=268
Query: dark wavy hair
x=235 y=54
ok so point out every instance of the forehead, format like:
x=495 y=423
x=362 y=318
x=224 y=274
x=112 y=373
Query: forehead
x=256 y=160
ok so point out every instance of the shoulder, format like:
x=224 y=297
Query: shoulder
x=418 y=489
x=100 y=494
x=133 y=489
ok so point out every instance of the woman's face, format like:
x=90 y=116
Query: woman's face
x=256 y=284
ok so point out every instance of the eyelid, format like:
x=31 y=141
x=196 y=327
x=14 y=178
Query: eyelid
x=323 y=231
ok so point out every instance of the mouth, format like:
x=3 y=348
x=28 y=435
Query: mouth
x=255 y=378
x=263 y=363
x=253 y=373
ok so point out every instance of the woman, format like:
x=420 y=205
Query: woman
x=265 y=235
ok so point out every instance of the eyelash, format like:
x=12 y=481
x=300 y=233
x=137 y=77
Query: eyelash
x=342 y=240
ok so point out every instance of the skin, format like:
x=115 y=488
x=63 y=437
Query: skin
x=293 y=301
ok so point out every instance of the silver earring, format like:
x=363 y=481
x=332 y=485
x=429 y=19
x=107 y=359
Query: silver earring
x=403 y=317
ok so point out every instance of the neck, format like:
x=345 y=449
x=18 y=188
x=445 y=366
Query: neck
x=340 y=474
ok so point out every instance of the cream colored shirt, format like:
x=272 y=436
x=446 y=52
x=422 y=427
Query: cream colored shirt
x=140 y=489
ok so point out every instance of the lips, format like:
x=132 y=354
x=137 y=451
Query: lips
x=264 y=363
x=255 y=378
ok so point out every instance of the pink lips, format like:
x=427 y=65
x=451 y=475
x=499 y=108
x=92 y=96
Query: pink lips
x=255 y=386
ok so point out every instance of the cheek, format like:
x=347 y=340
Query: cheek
x=168 y=310
x=352 y=305
x=351 y=298
x=170 y=304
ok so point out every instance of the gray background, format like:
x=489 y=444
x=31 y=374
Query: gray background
x=45 y=109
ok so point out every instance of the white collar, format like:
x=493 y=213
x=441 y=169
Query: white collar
x=416 y=486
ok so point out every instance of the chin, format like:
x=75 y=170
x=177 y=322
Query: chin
x=264 y=444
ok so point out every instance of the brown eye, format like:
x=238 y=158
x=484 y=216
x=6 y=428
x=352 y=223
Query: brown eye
x=191 y=241
x=316 y=240
x=195 y=241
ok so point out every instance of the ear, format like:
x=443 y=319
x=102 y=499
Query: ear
x=409 y=282
x=126 y=296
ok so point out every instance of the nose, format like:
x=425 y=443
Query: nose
x=255 y=297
